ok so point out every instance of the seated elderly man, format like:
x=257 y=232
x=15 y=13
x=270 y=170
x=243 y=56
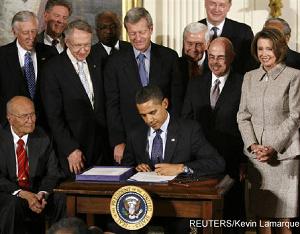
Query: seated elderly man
x=28 y=172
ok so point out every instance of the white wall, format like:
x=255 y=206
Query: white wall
x=171 y=16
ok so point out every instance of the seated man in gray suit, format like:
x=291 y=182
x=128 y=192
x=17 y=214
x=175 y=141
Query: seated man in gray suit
x=168 y=145
x=28 y=172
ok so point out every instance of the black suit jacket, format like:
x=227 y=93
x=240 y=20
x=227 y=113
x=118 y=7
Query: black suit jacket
x=185 y=66
x=12 y=80
x=185 y=144
x=99 y=52
x=121 y=79
x=44 y=174
x=72 y=120
x=219 y=125
x=293 y=59
x=241 y=36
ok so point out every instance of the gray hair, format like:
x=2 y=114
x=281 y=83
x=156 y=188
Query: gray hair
x=197 y=27
x=78 y=24
x=136 y=14
x=23 y=16
x=52 y=3
x=286 y=27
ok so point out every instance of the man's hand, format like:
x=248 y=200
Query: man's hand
x=35 y=202
x=143 y=168
x=168 y=169
x=118 y=152
x=76 y=161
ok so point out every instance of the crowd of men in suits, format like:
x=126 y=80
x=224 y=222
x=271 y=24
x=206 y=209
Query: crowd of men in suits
x=117 y=102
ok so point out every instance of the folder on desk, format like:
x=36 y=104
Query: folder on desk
x=106 y=173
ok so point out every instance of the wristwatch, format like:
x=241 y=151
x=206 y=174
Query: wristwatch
x=187 y=170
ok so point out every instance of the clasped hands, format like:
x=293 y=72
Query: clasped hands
x=165 y=169
x=263 y=153
x=36 y=201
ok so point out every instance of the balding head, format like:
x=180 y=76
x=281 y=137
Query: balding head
x=220 y=56
x=20 y=114
x=281 y=25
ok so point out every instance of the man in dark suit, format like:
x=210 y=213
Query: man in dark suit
x=193 y=62
x=21 y=62
x=108 y=28
x=28 y=172
x=73 y=97
x=239 y=34
x=213 y=100
x=56 y=15
x=168 y=145
x=142 y=64
x=292 y=57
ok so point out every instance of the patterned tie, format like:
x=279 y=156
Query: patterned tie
x=215 y=30
x=54 y=42
x=215 y=93
x=29 y=74
x=23 y=165
x=142 y=69
x=84 y=81
x=157 y=148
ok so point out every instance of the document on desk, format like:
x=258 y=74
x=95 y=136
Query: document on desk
x=150 y=177
x=106 y=173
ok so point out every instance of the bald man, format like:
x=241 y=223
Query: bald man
x=28 y=172
x=292 y=57
x=213 y=101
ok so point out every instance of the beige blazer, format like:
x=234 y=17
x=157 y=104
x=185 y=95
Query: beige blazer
x=269 y=112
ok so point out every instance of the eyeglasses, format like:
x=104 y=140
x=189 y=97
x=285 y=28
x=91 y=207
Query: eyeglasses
x=25 y=117
x=219 y=58
x=78 y=47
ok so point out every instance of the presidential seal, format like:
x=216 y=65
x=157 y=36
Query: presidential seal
x=131 y=207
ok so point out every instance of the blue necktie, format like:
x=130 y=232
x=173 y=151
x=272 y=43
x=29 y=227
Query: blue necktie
x=29 y=74
x=157 y=148
x=142 y=70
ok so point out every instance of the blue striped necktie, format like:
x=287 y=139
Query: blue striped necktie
x=29 y=74
x=142 y=70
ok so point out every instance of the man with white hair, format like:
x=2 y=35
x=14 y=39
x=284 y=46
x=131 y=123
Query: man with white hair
x=21 y=62
x=193 y=62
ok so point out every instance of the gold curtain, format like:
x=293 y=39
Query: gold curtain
x=275 y=6
x=126 y=5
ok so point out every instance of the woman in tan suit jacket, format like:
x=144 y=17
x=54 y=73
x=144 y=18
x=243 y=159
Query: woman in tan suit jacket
x=268 y=119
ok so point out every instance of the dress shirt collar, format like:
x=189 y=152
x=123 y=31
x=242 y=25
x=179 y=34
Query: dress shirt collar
x=222 y=80
x=108 y=48
x=49 y=39
x=146 y=53
x=22 y=51
x=201 y=61
x=164 y=126
x=219 y=26
x=16 y=137
x=73 y=59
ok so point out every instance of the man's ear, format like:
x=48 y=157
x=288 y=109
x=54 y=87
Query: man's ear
x=165 y=103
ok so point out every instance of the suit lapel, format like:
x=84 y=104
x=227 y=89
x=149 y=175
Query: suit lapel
x=131 y=69
x=155 y=65
x=74 y=77
x=171 y=142
x=226 y=91
x=14 y=63
x=11 y=157
x=227 y=30
x=33 y=145
x=94 y=76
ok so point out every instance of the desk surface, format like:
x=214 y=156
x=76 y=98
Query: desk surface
x=194 y=190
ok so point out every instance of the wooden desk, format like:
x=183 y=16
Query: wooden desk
x=199 y=200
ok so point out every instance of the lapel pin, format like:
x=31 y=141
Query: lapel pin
x=43 y=58
x=94 y=65
x=173 y=139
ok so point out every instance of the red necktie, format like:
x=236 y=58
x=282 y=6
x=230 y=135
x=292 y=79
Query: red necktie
x=23 y=166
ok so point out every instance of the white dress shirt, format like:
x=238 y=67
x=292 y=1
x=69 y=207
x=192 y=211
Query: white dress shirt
x=21 y=54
